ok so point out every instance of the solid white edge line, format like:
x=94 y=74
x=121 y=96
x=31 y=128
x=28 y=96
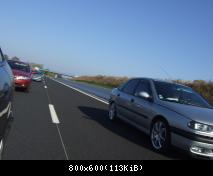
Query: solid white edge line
x=53 y=114
x=92 y=96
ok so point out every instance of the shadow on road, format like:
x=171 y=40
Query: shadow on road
x=18 y=89
x=126 y=131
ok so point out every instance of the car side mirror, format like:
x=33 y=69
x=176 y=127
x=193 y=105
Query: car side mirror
x=145 y=95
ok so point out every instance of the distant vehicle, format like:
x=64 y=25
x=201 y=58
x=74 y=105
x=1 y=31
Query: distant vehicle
x=6 y=96
x=169 y=113
x=22 y=74
x=37 y=76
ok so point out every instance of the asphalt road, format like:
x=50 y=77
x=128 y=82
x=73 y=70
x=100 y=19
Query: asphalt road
x=81 y=129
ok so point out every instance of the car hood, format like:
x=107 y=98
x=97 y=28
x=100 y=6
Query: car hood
x=20 y=73
x=199 y=114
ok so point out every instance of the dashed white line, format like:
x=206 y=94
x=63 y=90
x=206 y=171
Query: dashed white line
x=78 y=90
x=55 y=120
x=53 y=114
x=55 y=117
x=62 y=142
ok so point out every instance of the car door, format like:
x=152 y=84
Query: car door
x=5 y=95
x=142 y=107
x=124 y=99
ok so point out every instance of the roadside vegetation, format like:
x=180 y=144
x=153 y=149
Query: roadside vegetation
x=205 y=88
x=50 y=74
x=104 y=81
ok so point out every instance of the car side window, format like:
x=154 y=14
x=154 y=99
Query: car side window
x=129 y=88
x=143 y=86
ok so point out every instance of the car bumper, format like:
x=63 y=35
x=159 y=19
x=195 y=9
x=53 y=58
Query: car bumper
x=37 y=79
x=196 y=145
x=22 y=83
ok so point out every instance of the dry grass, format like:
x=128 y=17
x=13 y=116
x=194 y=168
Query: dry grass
x=106 y=81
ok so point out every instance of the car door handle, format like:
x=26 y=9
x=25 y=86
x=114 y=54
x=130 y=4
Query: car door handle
x=139 y=105
x=132 y=100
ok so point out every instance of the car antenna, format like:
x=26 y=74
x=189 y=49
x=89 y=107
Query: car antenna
x=167 y=74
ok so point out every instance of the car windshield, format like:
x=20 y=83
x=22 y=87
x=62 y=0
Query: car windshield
x=19 y=66
x=179 y=94
x=37 y=74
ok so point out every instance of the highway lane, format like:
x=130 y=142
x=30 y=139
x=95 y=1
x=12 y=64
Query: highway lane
x=84 y=131
x=88 y=134
x=33 y=136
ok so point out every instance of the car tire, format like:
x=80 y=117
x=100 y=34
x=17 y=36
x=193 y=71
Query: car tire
x=160 y=135
x=112 y=112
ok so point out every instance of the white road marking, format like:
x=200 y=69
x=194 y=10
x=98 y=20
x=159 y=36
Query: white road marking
x=62 y=142
x=55 y=120
x=78 y=90
x=53 y=114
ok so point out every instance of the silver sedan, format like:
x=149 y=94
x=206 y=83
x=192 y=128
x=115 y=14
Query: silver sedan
x=170 y=113
x=38 y=77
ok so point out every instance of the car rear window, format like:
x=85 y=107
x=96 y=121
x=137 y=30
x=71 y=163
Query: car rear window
x=19 y=66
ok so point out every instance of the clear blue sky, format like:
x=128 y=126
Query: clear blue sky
x=112 y=37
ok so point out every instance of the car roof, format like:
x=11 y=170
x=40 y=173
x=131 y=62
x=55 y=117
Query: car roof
x=160 y=80
x=19 y=62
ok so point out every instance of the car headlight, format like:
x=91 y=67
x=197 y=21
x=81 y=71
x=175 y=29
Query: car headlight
x=200 y=127
x=21 y=78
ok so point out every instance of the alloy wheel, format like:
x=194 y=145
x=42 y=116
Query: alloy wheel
x=159 y=135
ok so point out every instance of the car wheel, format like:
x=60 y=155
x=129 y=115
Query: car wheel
x=160 y=136
x=112 y=111
x=1 y=149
